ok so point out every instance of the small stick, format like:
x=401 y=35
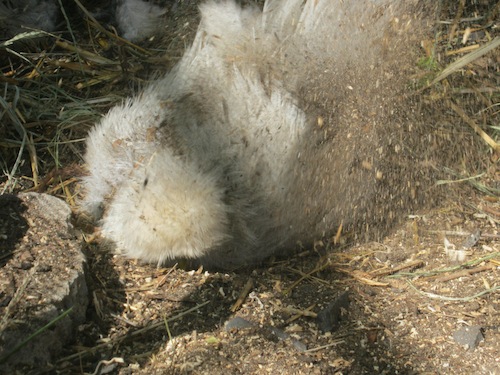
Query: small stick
x=308 y=275
x=412 y=264
x=299 y=313
x=466 y=272
x=491 y=211
x=85 y=54
x=462 y=50
x=243 y=295
x=460 y=299
x=461 y=62
x=474 y=126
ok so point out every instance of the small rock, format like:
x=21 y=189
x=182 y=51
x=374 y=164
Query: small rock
x=237 y=323
x=469 y=336
x=42 y=280
x=472 y=239
x=282 y=335
x=329 y=318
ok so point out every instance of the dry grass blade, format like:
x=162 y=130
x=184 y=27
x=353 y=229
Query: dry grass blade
x=334 y=343
x=9 y=110
x=299 y=313
x=458 y=299
x=445 y=270
x=462 y=273
x=411 y=264
x=365 y=278
x=22 y=36
x=467 y=59
x=472 y=180
x=464 y=179
x=85 y=54
x=51 y=95
x=475 y=126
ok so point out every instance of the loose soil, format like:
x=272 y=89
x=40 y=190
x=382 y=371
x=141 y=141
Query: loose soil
x=407 y=298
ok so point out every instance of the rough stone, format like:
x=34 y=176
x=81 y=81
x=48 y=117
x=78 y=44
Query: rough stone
x=42 y=282
x=469 y=337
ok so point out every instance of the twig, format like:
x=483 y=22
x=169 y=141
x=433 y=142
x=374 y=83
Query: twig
x=461 y=299
x=298 y=313
x=454 y=25
x=243 y=295
x=306 y=276
x=334 y=343
x=474 y=126
x=466 y=272
x=444 y=270
x=412 y=264
x=491 y=211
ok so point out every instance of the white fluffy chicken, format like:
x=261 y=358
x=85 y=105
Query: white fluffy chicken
x=135 y=19
x=257 y=139
x=18 y=16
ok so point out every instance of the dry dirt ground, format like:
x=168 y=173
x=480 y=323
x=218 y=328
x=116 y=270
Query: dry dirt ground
x=392 y=307
x=398 y=306
x=406 y=298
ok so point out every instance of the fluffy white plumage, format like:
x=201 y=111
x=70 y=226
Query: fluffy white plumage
x=247 y=145
x=138 y=19
x=20 y=15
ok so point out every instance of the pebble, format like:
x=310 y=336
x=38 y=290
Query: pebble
x=469 y=337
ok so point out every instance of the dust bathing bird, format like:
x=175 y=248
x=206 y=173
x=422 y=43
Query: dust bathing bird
x=276 y=126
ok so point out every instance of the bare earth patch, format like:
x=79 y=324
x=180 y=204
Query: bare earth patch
x=407 y=300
